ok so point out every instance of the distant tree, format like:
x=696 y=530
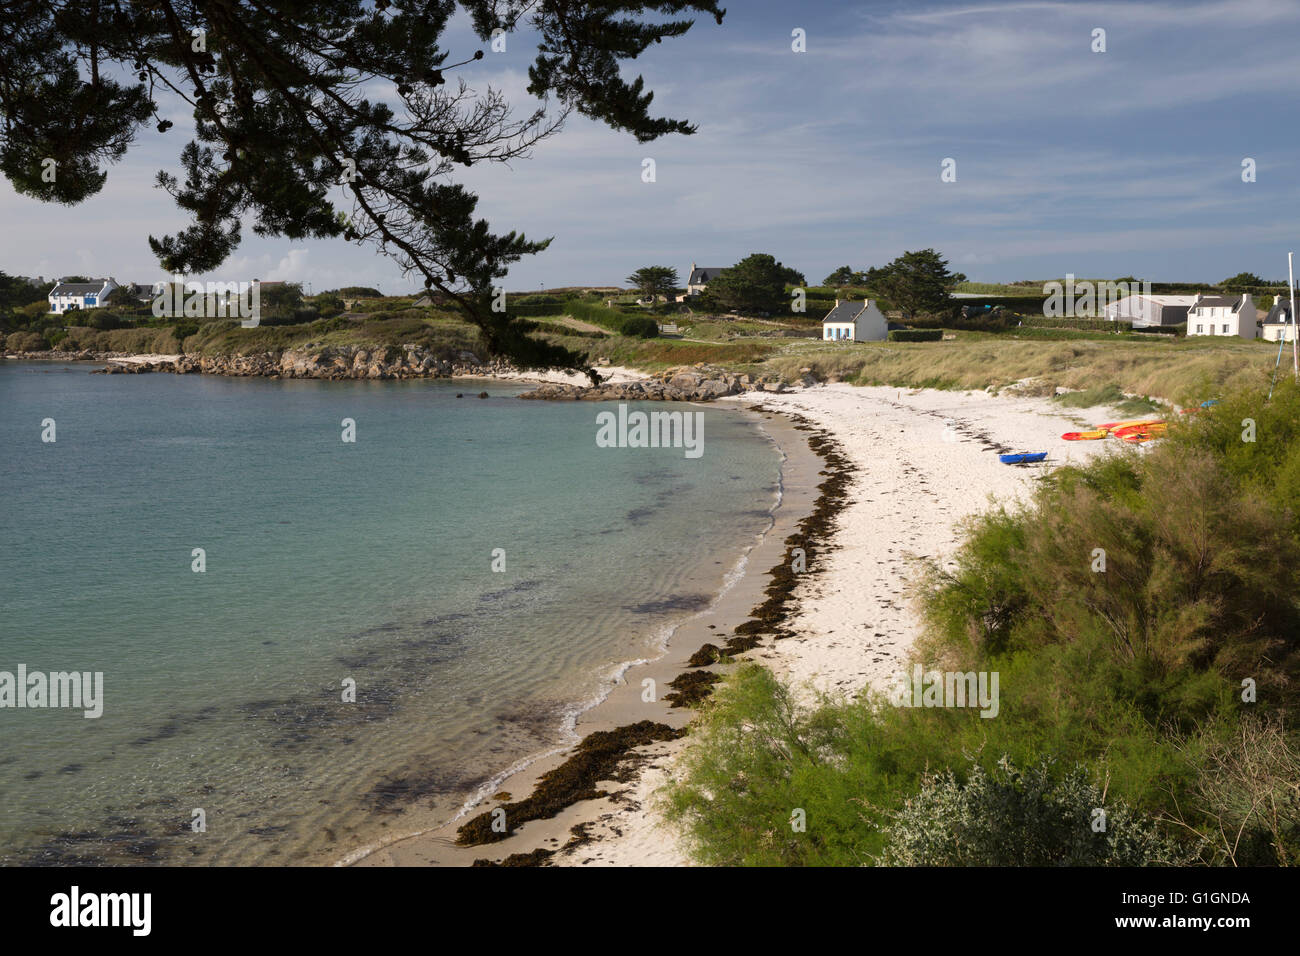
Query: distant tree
x=841 y=276
x=15 y=292
x=654 y=281
x=358 y=292
x=915 y=282
x=755 y=284
x=281 y=299
x=1243 y=281
x=328 y=304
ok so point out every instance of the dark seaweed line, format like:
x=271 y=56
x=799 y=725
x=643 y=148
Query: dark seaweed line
x=600 y=754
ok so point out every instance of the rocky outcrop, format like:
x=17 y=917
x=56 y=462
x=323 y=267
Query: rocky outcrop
x=328 y=362
x=691 y=383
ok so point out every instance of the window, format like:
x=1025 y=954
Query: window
x=1199 y=328
x=1225 y=328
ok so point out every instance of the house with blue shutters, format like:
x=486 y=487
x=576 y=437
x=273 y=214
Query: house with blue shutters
x=69 y=296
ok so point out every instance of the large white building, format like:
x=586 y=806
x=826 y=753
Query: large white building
x=1231 y=315
x=1149 y=310
x=855 y=321
x=67 y=296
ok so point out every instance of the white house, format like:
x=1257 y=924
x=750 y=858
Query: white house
x=698 y=279
x=855 y=321
x=1147 y=310
x=1279 y=326
x=80 y=295
x=1223 y=315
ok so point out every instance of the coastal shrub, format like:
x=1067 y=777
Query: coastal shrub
x=916 y=335
x=25 y=342
x=1013 y=817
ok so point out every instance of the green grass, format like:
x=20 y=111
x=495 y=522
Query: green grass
x=1109 y=396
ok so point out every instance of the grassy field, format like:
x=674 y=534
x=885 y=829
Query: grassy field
x=1176 y=371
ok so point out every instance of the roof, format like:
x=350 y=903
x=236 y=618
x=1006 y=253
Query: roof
x=78 y=288
x=846 y=311
x=1219 y=302
x=1280 y=314
x=703 y=274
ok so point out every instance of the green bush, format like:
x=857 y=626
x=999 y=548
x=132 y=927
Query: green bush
x=1010 y=817
x=916 y=335
x=25 y=342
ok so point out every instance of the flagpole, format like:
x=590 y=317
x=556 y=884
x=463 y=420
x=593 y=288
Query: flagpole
x=1295 y=329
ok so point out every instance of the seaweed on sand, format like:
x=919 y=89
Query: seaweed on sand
x=596 y=758
x=692 y=687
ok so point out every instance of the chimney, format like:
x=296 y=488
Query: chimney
x=837 y=303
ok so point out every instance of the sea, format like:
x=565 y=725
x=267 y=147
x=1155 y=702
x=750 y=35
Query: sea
x=324 y=614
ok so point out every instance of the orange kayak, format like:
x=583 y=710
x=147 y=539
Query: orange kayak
x=1112 y=427
x=1141 y=433
x=1086 y=436
x=1129 y=429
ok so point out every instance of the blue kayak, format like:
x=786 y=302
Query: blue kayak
x=1023 y=458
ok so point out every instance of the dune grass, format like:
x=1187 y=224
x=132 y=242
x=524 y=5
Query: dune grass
x=1183 y=372
x=1108 y=396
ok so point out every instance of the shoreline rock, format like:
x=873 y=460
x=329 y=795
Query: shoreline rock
x=686 y=383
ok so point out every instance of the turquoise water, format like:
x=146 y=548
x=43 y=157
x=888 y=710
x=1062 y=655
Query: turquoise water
x=326 y=562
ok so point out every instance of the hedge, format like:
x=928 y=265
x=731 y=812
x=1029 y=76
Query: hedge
x=1082 y=324
x=916 y=335
x=636 y=325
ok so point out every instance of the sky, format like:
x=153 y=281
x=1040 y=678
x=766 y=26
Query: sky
x=1126 y=162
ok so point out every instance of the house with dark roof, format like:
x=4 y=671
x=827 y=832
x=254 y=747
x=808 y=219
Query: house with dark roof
x=698 y=278
x=67 y=296
x=854 y=321
x=1232 y=315
x=1279 y=324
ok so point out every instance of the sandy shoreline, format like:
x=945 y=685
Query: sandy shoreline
x=923 y=460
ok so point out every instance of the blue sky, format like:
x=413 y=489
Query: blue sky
x=1126 y=162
